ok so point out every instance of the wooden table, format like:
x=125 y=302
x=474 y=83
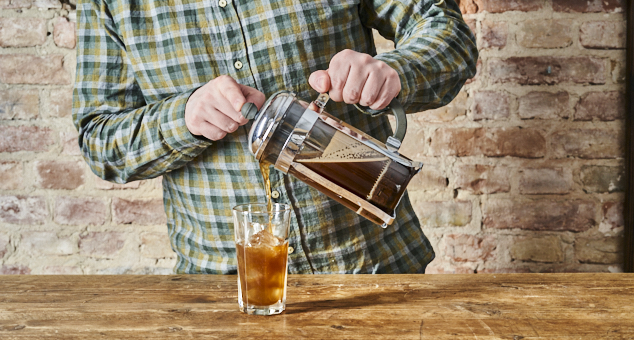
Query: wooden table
x=494 y=306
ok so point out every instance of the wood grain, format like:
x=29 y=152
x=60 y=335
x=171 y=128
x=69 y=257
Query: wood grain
x=509 y=306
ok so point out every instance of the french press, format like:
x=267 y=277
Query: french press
x=347 y=165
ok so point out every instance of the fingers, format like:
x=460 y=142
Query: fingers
x=231 y=99
x=320 y=81
x=211 y=131
x=371 y=89
x=357 y=78
x=213 y=110
x=389 y=91
x=338 y=71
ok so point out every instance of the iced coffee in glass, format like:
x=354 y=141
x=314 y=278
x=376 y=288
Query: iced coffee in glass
x=261 y=235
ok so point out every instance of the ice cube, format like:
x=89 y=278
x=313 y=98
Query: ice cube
x=264 y=238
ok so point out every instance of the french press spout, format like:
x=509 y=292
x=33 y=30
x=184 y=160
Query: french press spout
x=349 y=166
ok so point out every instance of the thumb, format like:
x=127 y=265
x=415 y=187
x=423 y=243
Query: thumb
x=320 y=81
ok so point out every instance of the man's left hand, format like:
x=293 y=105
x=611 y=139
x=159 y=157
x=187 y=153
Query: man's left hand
x=355 y=77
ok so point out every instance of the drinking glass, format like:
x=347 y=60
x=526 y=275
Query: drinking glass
x=261 y=235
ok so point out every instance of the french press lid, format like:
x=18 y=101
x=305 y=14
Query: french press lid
x=267 y=121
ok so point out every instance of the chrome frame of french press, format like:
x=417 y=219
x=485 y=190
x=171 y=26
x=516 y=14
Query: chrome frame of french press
x=315 y=111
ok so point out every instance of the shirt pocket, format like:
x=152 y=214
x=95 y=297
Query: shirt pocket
x=169 y=46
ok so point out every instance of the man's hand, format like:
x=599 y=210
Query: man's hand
x=355 y=77
x=213 y=110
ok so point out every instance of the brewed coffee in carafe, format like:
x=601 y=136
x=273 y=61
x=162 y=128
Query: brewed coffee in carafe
x=335 y=158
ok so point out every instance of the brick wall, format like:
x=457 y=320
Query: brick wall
x=524 y=169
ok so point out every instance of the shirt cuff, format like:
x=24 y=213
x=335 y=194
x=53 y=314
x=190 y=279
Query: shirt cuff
x=408 y=84
x=174 y=129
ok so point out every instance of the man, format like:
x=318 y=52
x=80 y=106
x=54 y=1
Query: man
x=160 y=85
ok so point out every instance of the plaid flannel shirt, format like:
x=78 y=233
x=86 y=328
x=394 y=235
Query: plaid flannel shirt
x=139 y=61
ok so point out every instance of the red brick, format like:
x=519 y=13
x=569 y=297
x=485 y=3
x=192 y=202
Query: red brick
x=613 y=6
x=440 y=214
x=482 y=179
x=544 y=105
x=80 y=211
x=468 y=6
x=412 y=146
x=4 y=245
x=544 y=33
x=437 y=268
x=604 y=106
x=612 y=214
x=478 y=69
x=494 y=34
x=136 y=211
x=603 y=250
x=64 y=33
x=11 y=176
x=59 y=174
x=14 y=269
x=158 y=182
x=537 y=249
x=570 y=215
x=105 y=185
x=23 y=210
x=61 y=270
x=497 y=6
x=70 y=146
x=617 y=70
x=60 y=103
x=610 y=6
x=22 y=138
x=493 y=142
x=430 y=178
x=546 y=181
x=447 y=113
x=104 y=244
x=504 y=270
x=15 y=4
x=587 y=143
x=465 y=248
x=597 y=178
x=46 y=243
x=22 y=32
x=30 y=69
x=472 y=23
x=578 y=5
x=19 y=104
x=603 y=34
x=156 y=246
x=490 y=105
x=534 y=70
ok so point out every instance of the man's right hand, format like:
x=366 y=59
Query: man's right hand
x=213 y=110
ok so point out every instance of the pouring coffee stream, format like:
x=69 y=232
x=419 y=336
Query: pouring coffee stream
x=333 y=157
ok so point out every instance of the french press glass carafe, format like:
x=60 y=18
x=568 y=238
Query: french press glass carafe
x=349 y=166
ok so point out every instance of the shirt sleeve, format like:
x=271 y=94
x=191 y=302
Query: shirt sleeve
x=435 y=51
x=123 y=138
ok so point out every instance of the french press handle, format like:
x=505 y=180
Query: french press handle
x=393 y=143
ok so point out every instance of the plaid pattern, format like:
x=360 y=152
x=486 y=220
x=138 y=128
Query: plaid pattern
x=138 y=62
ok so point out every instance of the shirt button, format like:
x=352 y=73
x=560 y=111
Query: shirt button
x=222 y=3
x=275 y=194
x=238 y=64
x=290 y=249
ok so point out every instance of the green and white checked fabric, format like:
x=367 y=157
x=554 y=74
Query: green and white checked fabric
x=138 y=62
